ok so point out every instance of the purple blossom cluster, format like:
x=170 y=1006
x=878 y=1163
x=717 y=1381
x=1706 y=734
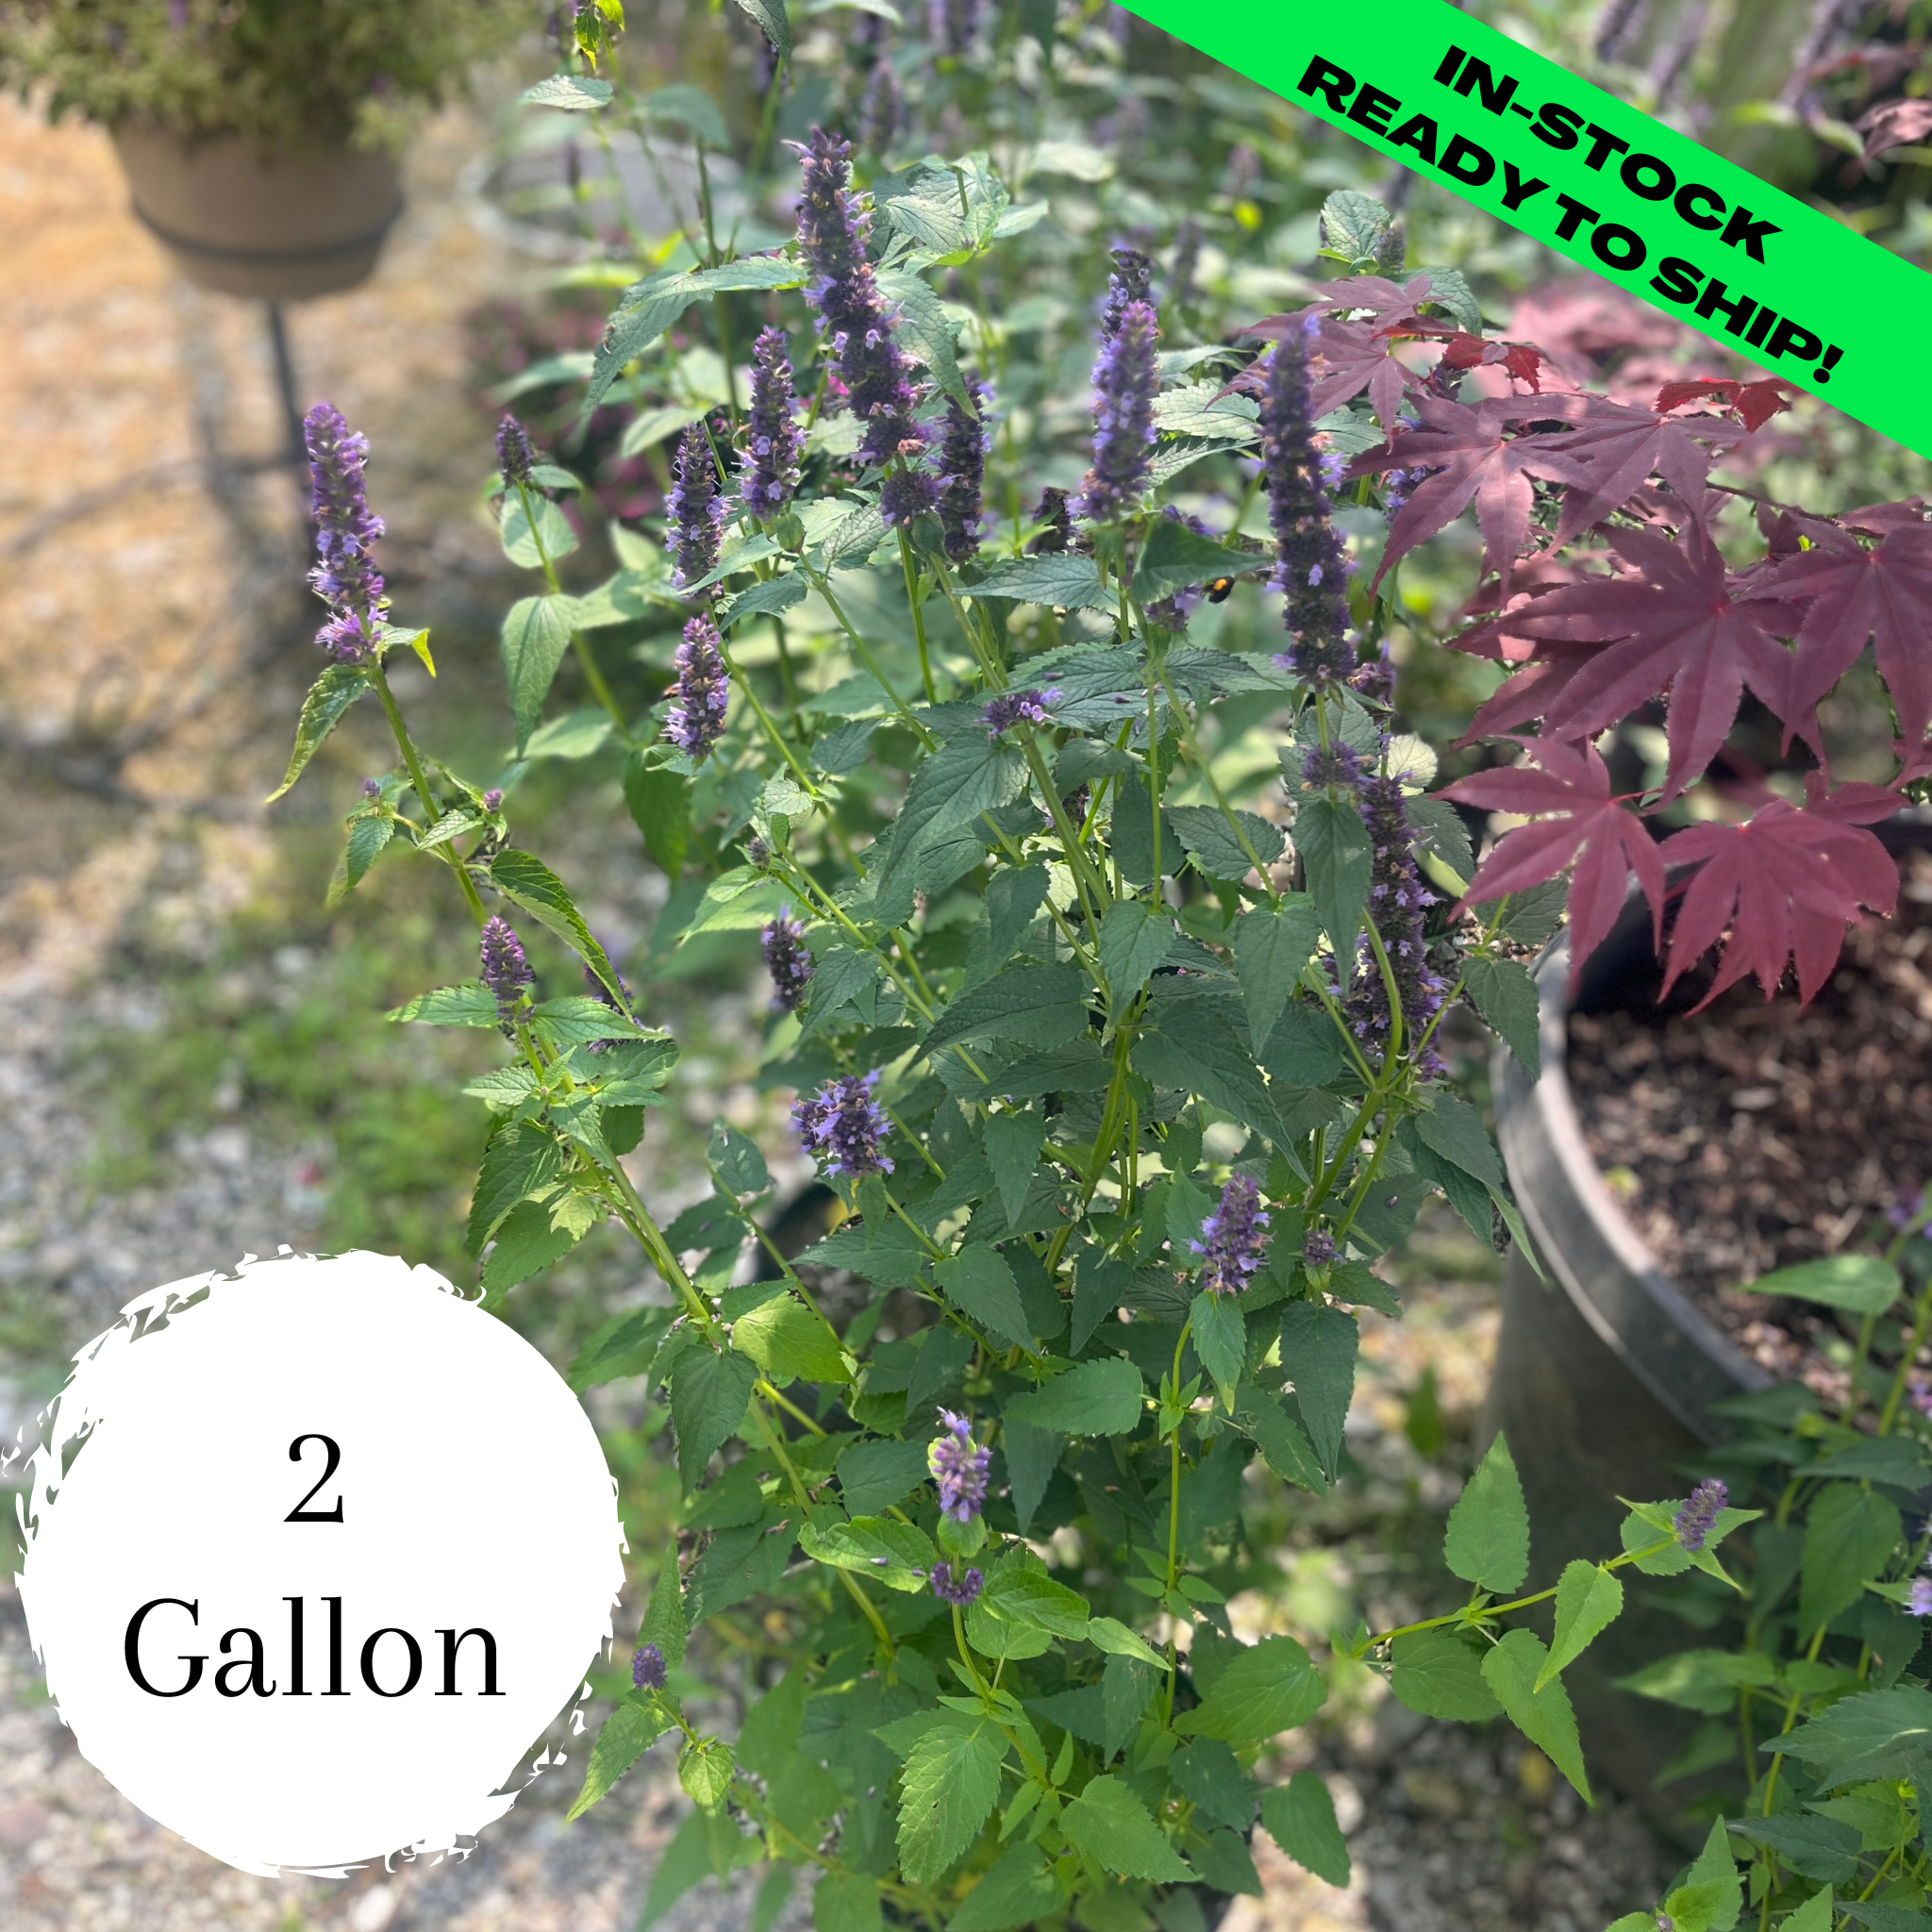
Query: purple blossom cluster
x=788 y=961
x=773 y=439
x=954 y=24
x=959 y=1468
x=1313 y=566
x=695 y=509
x=842 y=1125
x=1918 y=1598
x=882 y=109
x=695 y=721
x=1698 y=1516
x=647 y=1671
x=344 y=577
x=1010 y=708
x=1126 y=379
x=1336 y=765
x=506 y=968
x=1233 y=1244
x=962 y=1590
x=1397 y=901
x=514 y=455
x=853 y=318
x=1318 y=1248
x=1129 y=281
x=1374 y=679
x=962 y=474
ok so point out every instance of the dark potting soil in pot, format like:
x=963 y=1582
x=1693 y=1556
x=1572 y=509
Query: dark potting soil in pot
x=1758 y=1134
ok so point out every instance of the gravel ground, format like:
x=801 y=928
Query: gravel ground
x=133 y=766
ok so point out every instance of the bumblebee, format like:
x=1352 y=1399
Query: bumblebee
x=1220 y=590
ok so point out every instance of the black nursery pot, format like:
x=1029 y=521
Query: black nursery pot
x=1605 y=1374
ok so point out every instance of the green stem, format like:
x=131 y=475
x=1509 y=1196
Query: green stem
x=600 y=688
x=822 y=586
x=913 y=603
x=421 y=782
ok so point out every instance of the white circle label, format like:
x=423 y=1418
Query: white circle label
x=333 y=1548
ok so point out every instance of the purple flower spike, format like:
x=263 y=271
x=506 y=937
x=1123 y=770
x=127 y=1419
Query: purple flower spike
x=954 y=24
x=1132 y=276
x=882 y=109
x=907 y=491
x=1233 y=1244
x=695 y=508
x=695 y=721
x=854 y=321
x=513 y=453
x=788 y=961
x=1338 y=765
x=962 y=1590
x=647 y=1671
x=773 y=439
x=1012 y=707
x=344 y=575
x=842 y=1125
x=1187 y=260
x=1318 y=1248
x=958 y=1466
x=505 y=969
x=1397 y=901
x=962 y=474
x=1314 y=571
x=1125 y=381
x=1918 y=1599
x=1699 y=1514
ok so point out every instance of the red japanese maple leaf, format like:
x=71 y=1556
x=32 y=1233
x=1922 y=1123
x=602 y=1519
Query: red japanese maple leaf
x=1786 y=883
x=1755 y=402
x=1579 y=821
x=1854 y=593
x=1894 y=123
x=1519 y=359
x=1675 y=623
x=1614 y=451
x=1473 y=457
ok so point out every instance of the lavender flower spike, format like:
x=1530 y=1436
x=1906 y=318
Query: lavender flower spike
x=1133 y=274
x=962 y=1590
x=882 y=109
x=647 y=1671
x=773 y=439
x=1398 y=900
x=1125 y=381
x=696 y=511
x=505 y=969
x=1699 y=1514
x=344 y=575
x=695 y=721
x=1918 y=1598
x=1232 y=1240
x=1314 y=566
x=853 y=318
x=954 y=25
x=786 y=958
x=514 y=455
x=1318 y=1248
x=959 y=1467
x=842 y=1125
x=962 y=474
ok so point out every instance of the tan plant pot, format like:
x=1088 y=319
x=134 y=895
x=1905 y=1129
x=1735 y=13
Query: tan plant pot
x=305 y=222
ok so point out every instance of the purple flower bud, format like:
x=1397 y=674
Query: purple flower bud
x=1125 y=381
x=1312 y=563
x=842 y=1125
x=788 y=961
x=1699 y=1513
x=1233 y=1245
x=695 y=509
x=505 y=969
x=1918 y=1599
x=774 y=440
x=959 y=1467
x=513 y=453
x=372 y=788
x=1010 y=708
x=695 y=721
x=492 y=800
x=1132 y=276
x=963 y=1590
x=647 y=1671
x=1318 y=1248
x=344 y=575
x=1338 y=765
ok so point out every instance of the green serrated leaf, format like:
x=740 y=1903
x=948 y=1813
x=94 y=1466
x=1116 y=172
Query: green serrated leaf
x=710 y=1390
x=330 y=697
x=776 y=28
x=1265 y=1688
x=1300 y=1818
x=790 y=1343
x=1587 y=1601
x=1487 y=1539
x=536 y=634
x=950 y=1783
x=1511 y=1670
x=897 y=1555
x=1175 y=558
x=1102 y=1397
x=1270 y=947
x=1503 y=991
x=1110 y=1824
x=1063 y=579
x=1436 y=1673
x=1865 y=1284
x=1133 y=941
x=1335 y=854
x=637 y=1723
x=1013 y=1141
x=1221 y=1340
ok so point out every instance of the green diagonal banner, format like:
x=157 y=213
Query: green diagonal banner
x=1589 y=176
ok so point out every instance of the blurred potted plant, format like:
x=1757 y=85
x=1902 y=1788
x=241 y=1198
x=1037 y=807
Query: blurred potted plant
x=260 y=139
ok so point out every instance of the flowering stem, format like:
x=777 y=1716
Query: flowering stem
x=1173 y=1521
x=764 y=718
x=822 y=586
x=914 y=602
x=420 y=781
